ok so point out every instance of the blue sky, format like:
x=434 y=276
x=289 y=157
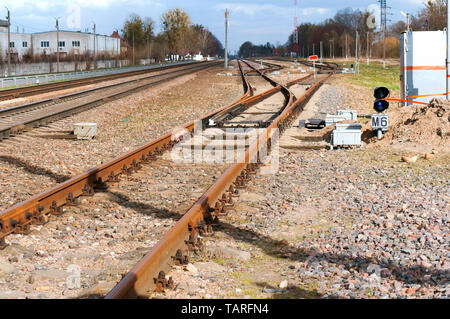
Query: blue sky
x=259 y=21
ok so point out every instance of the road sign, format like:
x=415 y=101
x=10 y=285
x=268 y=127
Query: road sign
x=313 y=58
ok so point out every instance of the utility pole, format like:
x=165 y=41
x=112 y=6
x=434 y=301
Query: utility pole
x=148 y=49
x=334 y=52
x=346 y=46
x=367 y=53
x=330 y=49
x=314 y=49
x=134 y=56
x=57 y=45
x=321 y=51
x=333 y=49
x=384 y=27
x=227 y=14
x=448 y=51
x=356 y=47
x=9 y=42
x=408 y=22
x=95 y=40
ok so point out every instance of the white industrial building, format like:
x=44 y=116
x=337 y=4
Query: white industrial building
x=44 y=43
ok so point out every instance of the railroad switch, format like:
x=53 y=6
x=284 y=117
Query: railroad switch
x=162 y=283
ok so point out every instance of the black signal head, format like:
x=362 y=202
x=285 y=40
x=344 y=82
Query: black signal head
x=381 y=92
x=380 y=106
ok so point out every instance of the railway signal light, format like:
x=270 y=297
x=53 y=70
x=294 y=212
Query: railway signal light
x=381 y=93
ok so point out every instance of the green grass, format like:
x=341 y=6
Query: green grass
x=374 y=75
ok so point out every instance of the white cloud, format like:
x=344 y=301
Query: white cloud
x=254 y=9
x=46 y=5
x=250 y=9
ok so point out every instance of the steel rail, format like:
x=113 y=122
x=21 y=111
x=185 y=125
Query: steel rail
x=44 y=119
x=7 y=94
x=219 y=117
x=38 y=208
x=150 y=271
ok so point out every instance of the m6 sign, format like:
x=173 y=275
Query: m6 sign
x=380 y=122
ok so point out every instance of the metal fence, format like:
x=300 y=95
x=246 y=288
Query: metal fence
x=55 y=77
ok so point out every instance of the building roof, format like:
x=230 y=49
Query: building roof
x=116 y=35
x=68 y=31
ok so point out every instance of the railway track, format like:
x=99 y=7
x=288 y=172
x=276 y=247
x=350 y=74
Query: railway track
x=173 y=247
x=8 y=94
x=18 y=119
x=150 y=272
x=323 y=67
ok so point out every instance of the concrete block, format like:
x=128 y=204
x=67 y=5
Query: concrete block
x=85 y=131
x=350 y=115
x=331 y=119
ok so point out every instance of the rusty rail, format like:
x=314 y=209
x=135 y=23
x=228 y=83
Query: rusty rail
x=39 y=208
x=150 y=272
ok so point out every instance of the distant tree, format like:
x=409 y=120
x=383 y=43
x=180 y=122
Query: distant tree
x=149 y=28
x=179 y=36
x=397 y=28
x=176 y=24
x=432 y=17
x=134 y=27
x=248 y=49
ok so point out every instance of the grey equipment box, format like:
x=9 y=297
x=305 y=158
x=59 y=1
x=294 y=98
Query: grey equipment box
x=347 y=134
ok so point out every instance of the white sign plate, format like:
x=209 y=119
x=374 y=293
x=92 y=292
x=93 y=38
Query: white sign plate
x=380 y=121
